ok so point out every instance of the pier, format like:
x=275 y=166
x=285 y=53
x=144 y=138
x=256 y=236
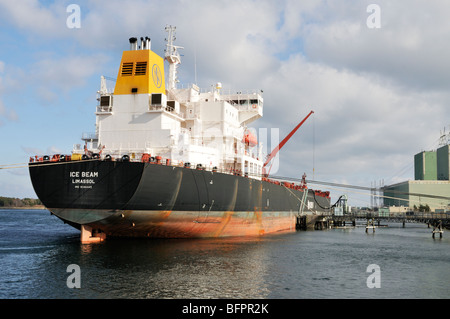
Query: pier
x=438 y=221
x=431 y=219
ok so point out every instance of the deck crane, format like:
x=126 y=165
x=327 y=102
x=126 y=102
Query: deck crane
x=276 y=149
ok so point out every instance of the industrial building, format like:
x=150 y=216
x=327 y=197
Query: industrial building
x=425 y=166
x=443 y=163
x=431 y=184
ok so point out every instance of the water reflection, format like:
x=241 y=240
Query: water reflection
x=206 y=268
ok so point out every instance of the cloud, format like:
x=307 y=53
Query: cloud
x=47 y=80
x=67 y=72
x=7 y=114
x=55 y=75
x=32 y=151
x=54 y=150
x=364 y=127
x=408 y=48
x=34 y=18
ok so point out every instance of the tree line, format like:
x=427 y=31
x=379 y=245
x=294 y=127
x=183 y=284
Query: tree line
x=18 y=202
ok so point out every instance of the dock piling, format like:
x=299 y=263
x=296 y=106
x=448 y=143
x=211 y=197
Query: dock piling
x=437 y=228
x=370 y=224
x=301 y=223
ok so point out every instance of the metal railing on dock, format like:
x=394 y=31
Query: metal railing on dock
x=414 y=217
x=439 y=221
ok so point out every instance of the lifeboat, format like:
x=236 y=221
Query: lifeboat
x=250 y=139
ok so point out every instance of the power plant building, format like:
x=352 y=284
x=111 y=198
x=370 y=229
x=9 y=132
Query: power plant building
x=431 y=184
x=425 y=166
x=443 y=163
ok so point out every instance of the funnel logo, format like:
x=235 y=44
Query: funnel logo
x=156 y=75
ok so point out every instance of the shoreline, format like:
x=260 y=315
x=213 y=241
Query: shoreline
x=24 y=207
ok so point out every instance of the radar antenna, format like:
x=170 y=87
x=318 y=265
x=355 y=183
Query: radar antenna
x=172 y=56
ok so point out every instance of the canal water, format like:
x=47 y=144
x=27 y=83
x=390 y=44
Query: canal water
x=38 y=253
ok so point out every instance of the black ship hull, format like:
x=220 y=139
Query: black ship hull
x=135 y=199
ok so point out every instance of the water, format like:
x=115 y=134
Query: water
x=36 y=248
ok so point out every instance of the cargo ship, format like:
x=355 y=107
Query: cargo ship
x=170 y=162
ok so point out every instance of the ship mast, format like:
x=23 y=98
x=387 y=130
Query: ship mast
x=172 y=56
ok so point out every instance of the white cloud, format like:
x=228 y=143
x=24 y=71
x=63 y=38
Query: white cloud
x=7 y=114
x=32 y=150
x=409 y=47
x=365 y=128
x=48 y=79
x=34 y=18
x=54 y=150
x=67 y=72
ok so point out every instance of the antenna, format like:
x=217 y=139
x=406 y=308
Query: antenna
x=172 y=56
x=103 y=88
x=444 y=139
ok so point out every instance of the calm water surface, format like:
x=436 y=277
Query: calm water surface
x=36 y=248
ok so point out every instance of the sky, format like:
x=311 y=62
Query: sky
x=376 y=73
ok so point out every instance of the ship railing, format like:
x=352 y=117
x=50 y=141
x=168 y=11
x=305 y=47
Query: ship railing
x=104 y=109
x=158 y=160
x=222 y=91
x=223 y=94
x=165 y=108
x=408 y=216
x=148 y=158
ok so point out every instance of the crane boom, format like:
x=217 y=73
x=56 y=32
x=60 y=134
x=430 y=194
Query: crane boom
x=275 y=151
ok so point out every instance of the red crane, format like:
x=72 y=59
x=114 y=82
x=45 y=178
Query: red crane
x=275 y=151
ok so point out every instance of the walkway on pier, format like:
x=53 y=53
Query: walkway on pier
x=439 y=221
x=416 y=217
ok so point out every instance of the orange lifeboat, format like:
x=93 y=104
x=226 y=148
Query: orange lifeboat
x=250 y=139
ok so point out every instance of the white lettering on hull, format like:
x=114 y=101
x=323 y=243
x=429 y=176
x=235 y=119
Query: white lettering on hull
x=83 y=179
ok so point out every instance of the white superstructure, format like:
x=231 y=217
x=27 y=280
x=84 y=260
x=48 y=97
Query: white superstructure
x=145 y=115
